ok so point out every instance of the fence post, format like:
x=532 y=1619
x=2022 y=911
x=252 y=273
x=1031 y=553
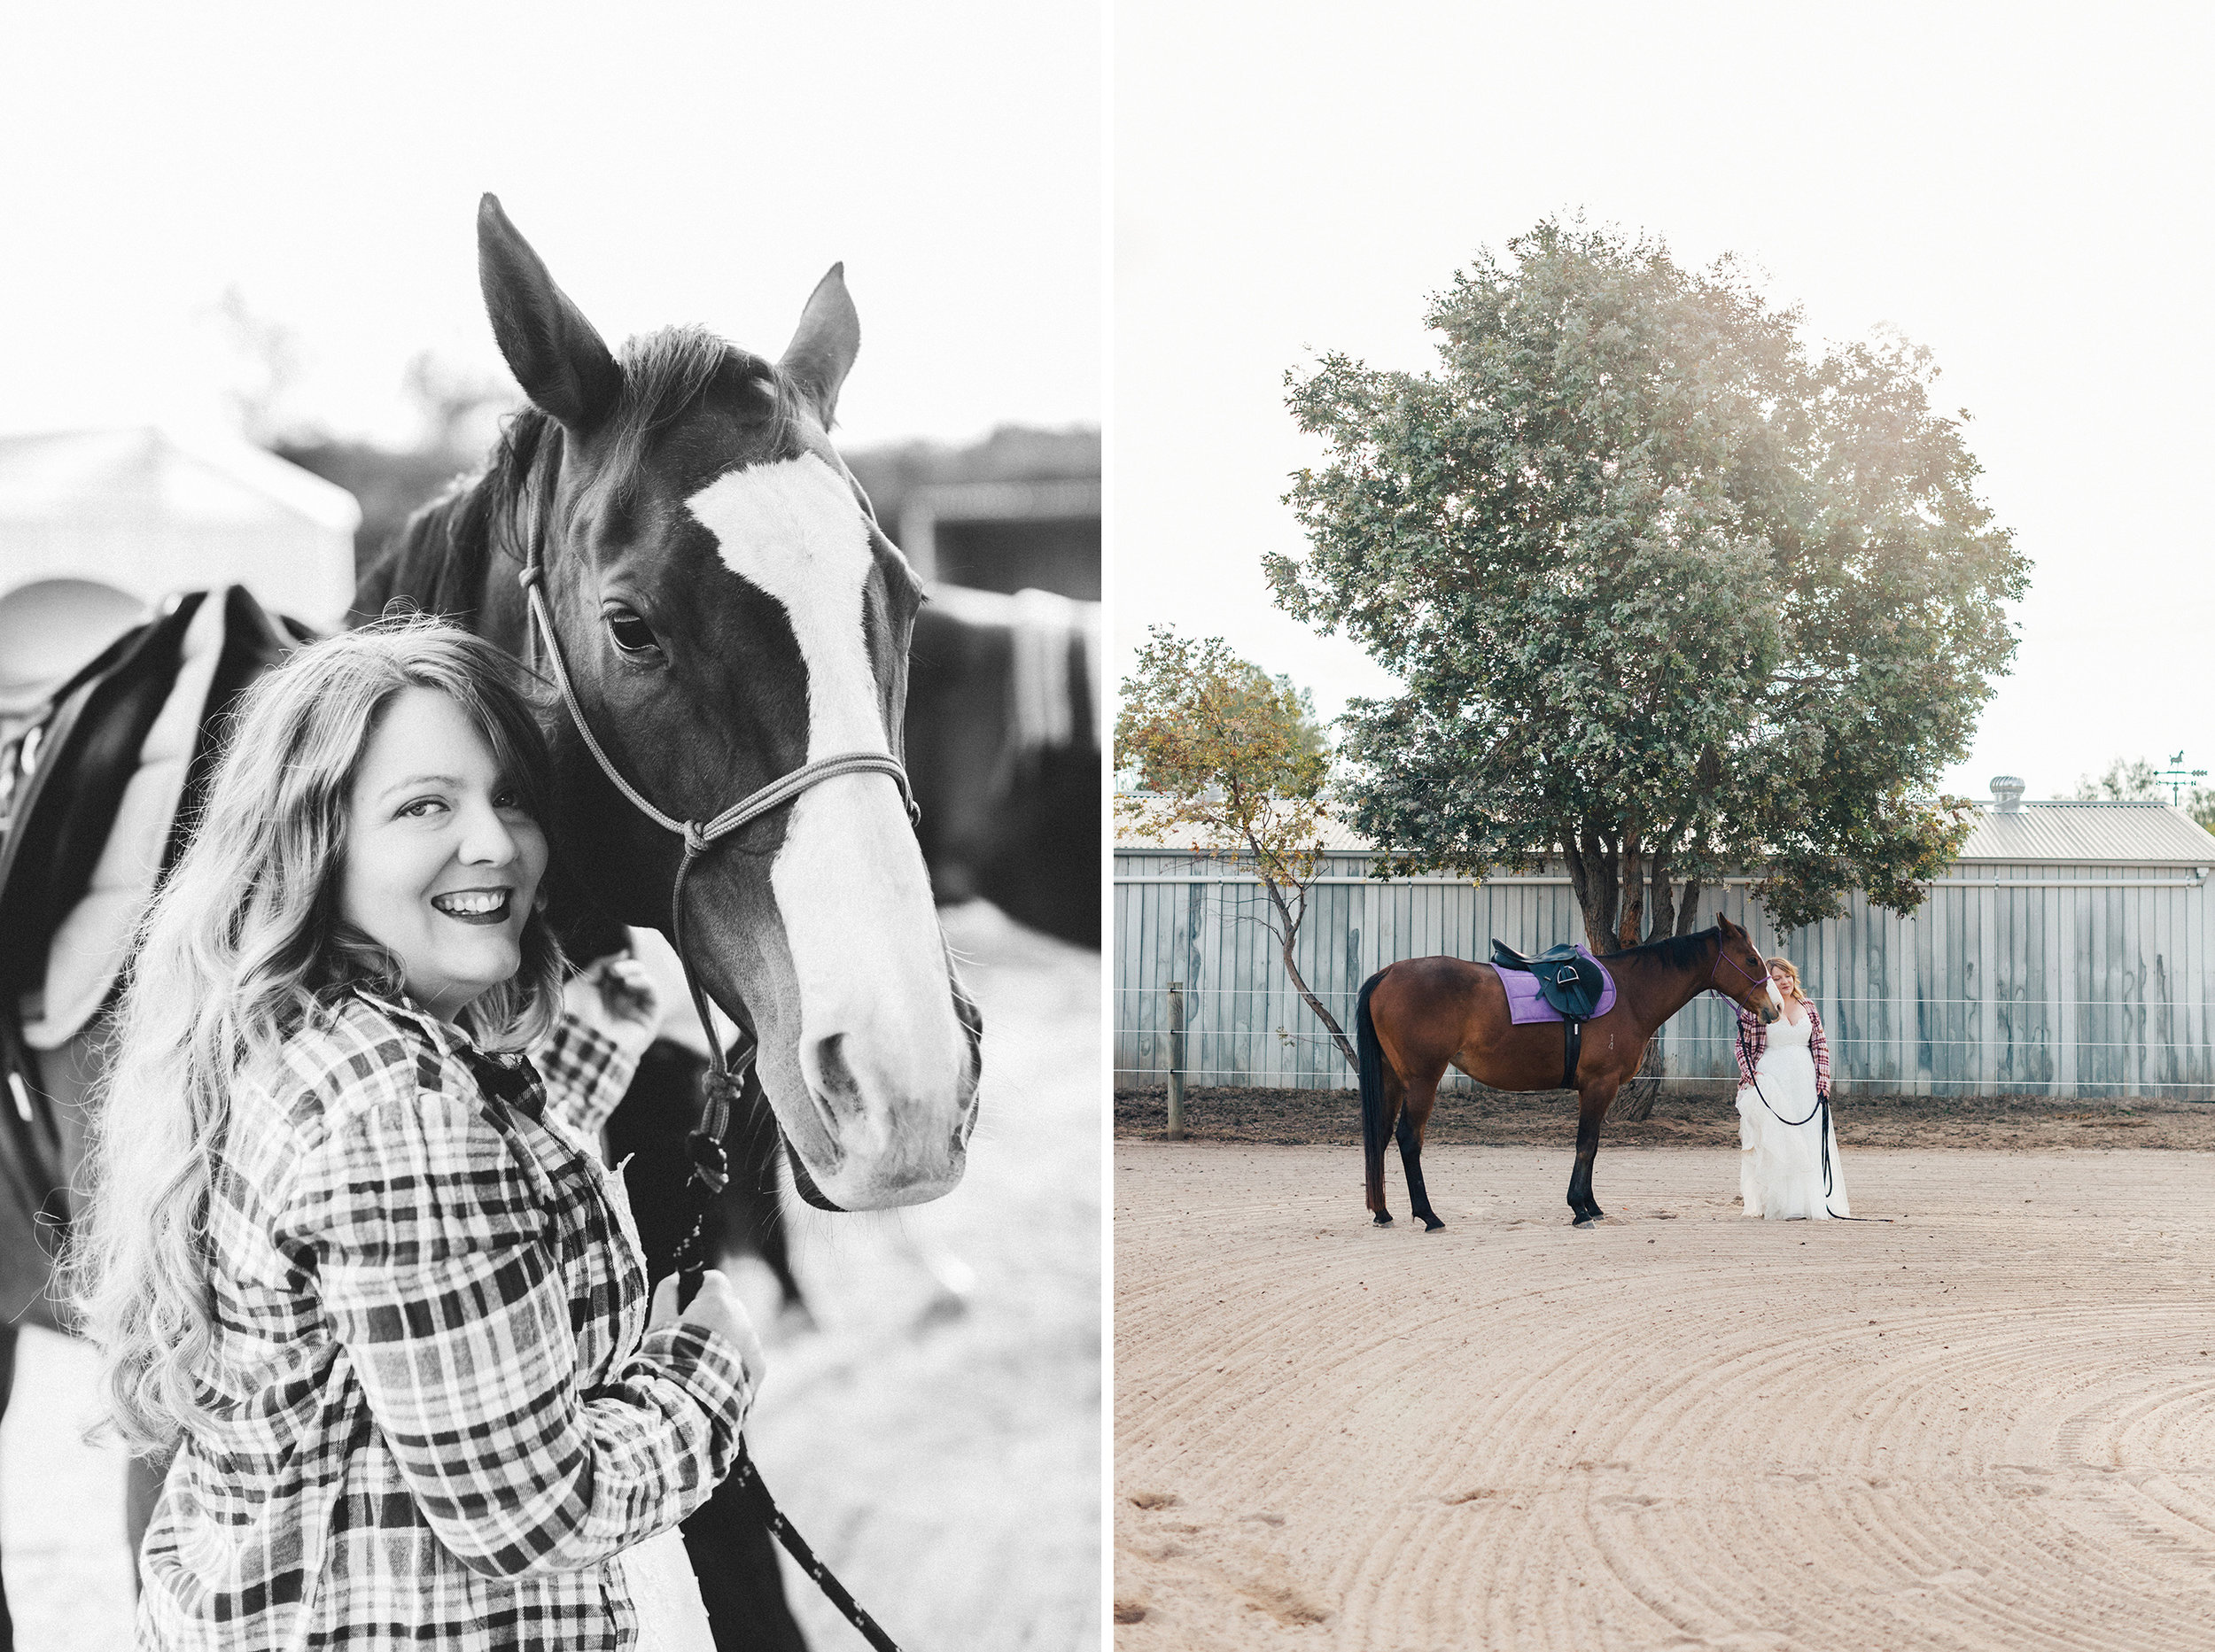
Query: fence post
x=1177 y=1061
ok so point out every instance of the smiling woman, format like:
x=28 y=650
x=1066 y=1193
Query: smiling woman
x=341 y=1225
x=444 y=856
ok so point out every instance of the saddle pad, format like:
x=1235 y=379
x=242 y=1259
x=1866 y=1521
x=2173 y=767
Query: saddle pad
x=92 y=943
x=1524 y=1005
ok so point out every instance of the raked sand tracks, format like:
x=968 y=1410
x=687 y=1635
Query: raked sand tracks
x=1990 y=1423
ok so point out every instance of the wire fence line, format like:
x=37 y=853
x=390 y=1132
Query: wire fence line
x=1880 y=1045
x=1324 y=1041
x=1347 y=999
x=1143 y=1078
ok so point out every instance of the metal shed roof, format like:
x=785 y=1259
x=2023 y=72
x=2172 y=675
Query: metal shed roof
x=2089 y=834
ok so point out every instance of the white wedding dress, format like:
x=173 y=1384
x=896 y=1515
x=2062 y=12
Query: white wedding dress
x=1780 y=1157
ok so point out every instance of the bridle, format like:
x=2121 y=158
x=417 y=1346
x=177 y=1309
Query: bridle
x=726 y=1076
x=1723 y=957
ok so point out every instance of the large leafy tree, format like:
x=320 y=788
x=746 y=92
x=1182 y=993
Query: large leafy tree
x=1667 y=593
x=1232 y=761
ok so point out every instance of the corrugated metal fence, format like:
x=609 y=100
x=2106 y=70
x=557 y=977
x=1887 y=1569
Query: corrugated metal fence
x=2033 y=979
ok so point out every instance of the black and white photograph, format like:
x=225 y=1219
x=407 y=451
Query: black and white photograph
x=551 y=681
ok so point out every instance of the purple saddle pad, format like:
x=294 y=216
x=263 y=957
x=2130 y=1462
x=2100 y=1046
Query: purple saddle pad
x=1524 y=1005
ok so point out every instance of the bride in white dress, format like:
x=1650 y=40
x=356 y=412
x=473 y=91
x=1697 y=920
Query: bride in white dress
x=1784 y=1114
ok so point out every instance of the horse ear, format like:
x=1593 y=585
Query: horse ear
x=825 y=344
x=554 y=352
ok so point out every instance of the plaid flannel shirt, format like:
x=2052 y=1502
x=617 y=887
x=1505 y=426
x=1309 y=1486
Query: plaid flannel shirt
x=1750 y=1048
x=436 y=1417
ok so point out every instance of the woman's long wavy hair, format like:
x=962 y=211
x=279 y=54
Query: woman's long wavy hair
x=243 y=946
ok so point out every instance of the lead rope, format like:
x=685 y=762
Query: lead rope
x=1823 y=1106
x=726 y=1077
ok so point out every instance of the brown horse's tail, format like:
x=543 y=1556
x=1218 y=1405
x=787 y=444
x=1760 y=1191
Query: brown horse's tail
x=1370 y=1057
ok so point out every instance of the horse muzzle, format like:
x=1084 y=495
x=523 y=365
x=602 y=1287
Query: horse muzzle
x=883 y=1129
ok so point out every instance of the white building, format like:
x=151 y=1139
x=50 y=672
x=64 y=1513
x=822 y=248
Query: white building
x=97 y=526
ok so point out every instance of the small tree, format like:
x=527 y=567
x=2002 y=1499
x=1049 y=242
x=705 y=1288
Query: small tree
x=1233 y=763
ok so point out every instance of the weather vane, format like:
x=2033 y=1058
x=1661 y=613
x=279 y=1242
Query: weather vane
x=2176 y=777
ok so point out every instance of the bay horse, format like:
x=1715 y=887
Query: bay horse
x=1416 y=1018
x=729 y=612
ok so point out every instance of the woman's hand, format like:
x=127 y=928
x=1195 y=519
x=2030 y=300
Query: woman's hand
x=617 y=996
x=717 y=1308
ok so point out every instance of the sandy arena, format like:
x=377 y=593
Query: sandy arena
x=920 y=1451
x=1990 y=1423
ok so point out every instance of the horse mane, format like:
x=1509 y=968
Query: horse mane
x=1675 y=952
x=440 y=560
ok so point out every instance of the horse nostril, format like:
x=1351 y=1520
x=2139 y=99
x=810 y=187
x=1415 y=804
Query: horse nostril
x=841 y=1089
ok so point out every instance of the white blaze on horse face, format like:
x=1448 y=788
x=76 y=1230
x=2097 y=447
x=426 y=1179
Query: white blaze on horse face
x=882 y=1051
x=1775 y=1001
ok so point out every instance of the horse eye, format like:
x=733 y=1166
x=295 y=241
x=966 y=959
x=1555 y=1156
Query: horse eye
x=632 y=634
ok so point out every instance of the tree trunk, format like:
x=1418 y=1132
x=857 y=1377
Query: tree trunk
x=1289 y=935
x=1662 y=913
x=1580 y=875
x=1600 y=896
x=1687 y=909
x=1636 y=1101
x=1634 y=910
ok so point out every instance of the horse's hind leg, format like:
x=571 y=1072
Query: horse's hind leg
x=1592 y=1105
x=1395 y=1092
x=1414 y=1116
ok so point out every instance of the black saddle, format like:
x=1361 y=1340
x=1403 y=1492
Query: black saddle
x=1567 y=979
x=60 y=786
x=64 y=780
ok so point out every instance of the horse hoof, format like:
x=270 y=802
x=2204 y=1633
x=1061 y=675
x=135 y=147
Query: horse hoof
x=1384 y=1219
x=1431 y=1224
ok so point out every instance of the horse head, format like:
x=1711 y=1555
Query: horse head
x=729 y=611
x=1741 y=973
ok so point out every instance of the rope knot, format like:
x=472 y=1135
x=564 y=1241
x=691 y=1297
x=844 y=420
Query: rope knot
x=530 y=575
x=697 y=841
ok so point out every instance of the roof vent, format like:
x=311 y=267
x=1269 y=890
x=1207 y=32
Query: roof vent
x=2007 y=793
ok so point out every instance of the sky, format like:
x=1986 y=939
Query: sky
x=676 y=162
x=2025 y=193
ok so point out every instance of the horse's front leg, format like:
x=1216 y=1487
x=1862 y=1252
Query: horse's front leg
x=1414 y=1115
x=1593 y=1098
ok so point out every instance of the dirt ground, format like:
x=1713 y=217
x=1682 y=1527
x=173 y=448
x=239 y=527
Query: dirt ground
x=1686 y=1116
x=919 y=1443
x=1988 y=1422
